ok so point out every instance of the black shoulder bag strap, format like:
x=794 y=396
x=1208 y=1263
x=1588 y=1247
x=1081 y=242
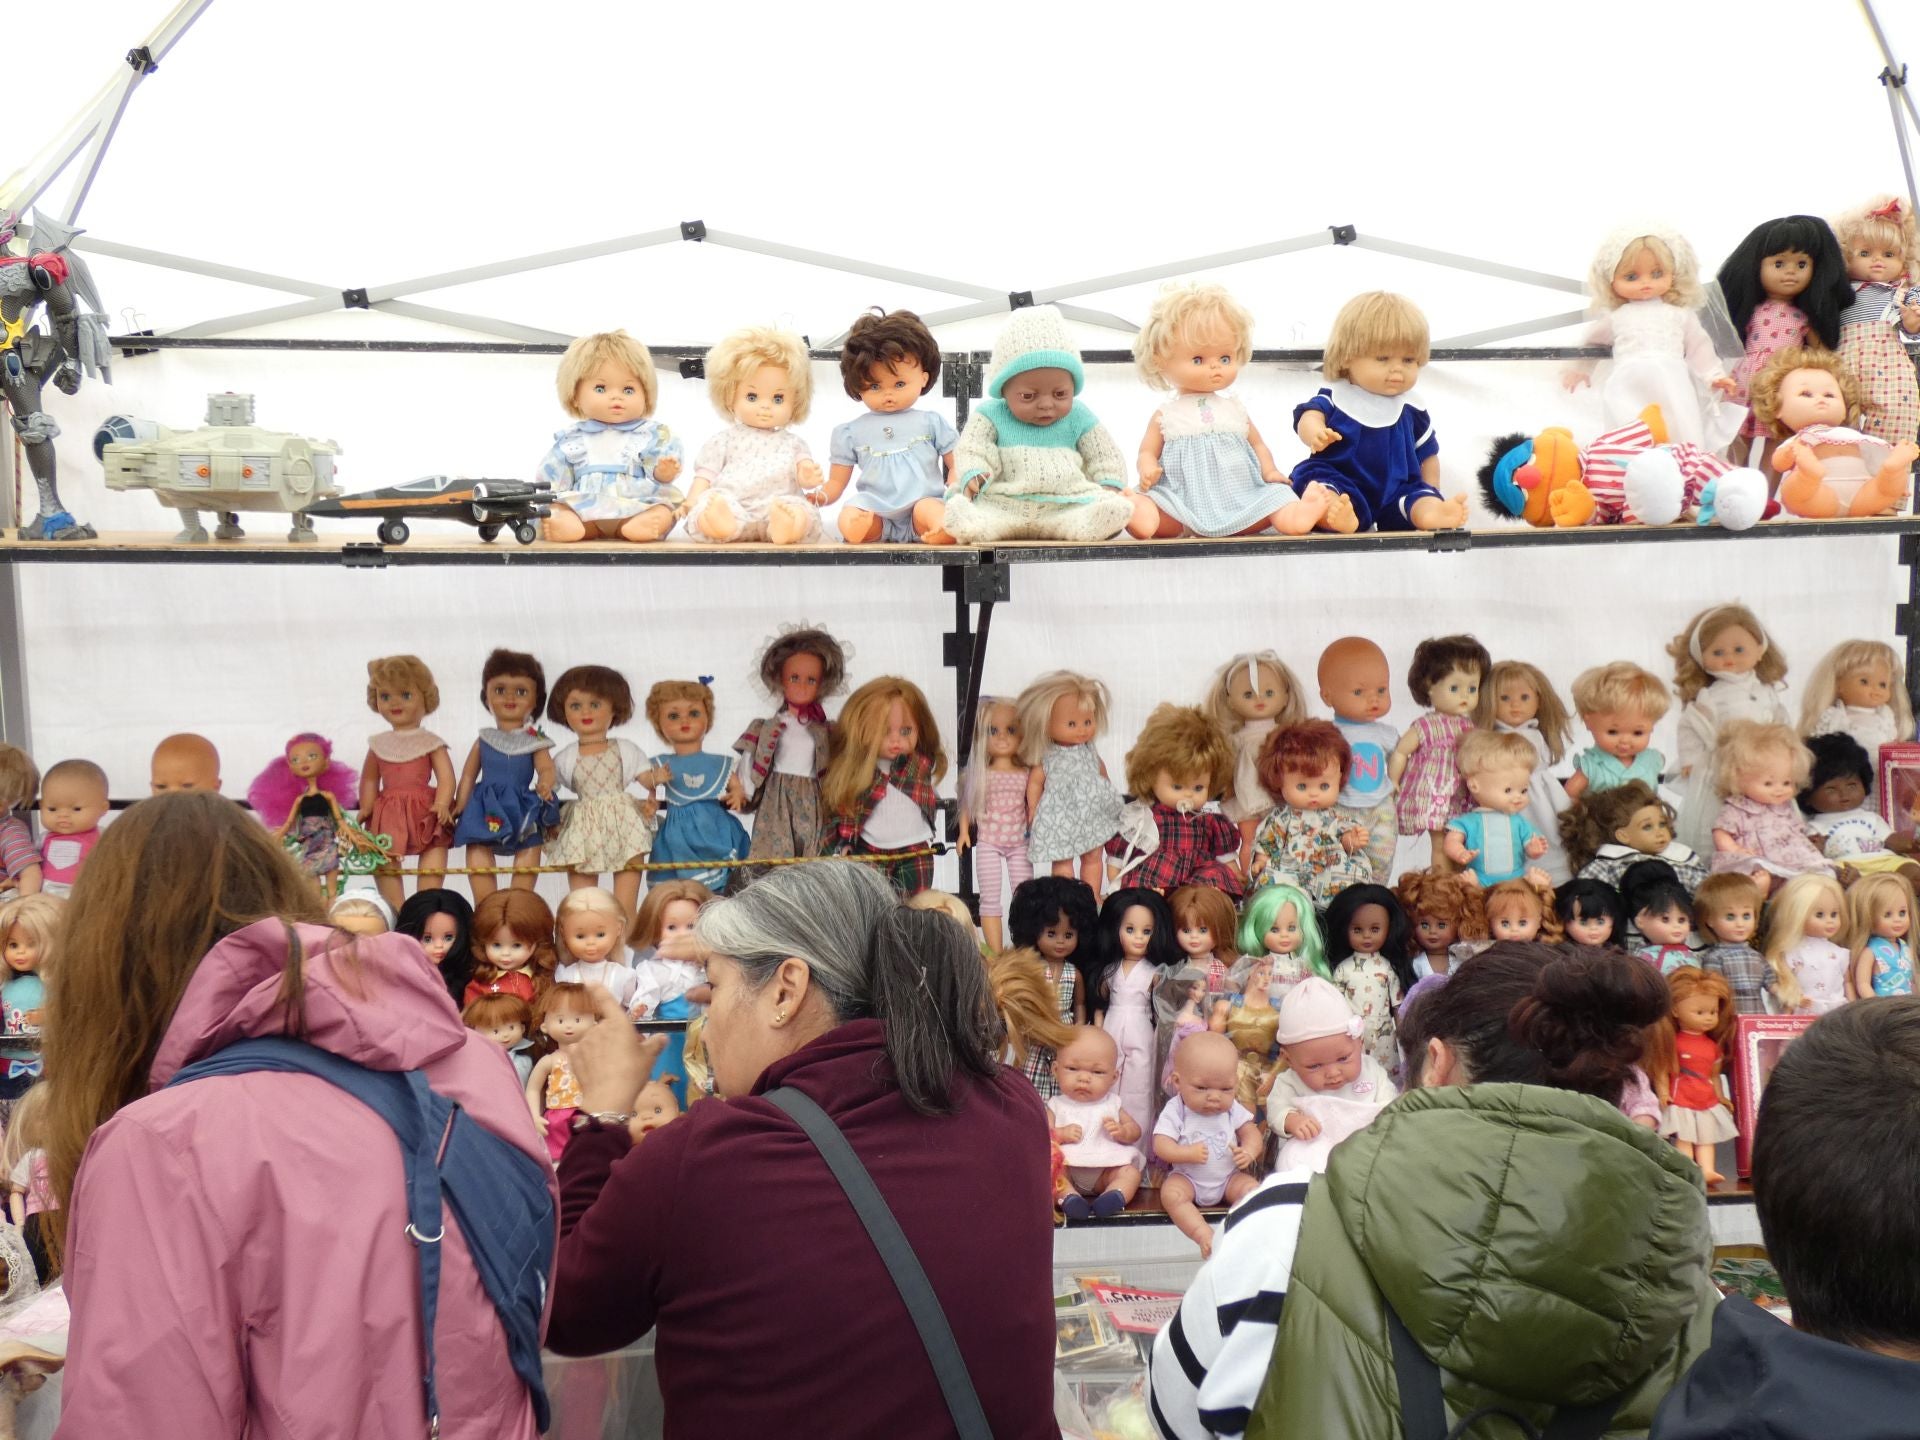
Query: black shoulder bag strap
x=949 y=1366
x=1423 y=1411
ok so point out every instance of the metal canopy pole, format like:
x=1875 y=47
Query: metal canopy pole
x=1894 y=78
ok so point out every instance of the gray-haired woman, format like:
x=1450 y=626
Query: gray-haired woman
x=726 y=1229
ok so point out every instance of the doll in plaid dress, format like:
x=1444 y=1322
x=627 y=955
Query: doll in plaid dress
x=1446 y=673
x=884 y=759
x=1184 y=761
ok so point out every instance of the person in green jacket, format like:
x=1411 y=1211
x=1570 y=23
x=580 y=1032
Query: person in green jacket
x=1542 y=1253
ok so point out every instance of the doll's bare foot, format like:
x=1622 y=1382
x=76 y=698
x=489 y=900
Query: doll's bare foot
x=652 y=523
x=563 y=526
x=788 y=522
x=929 y=523
x=1707 y=1171
x=1306 y=512
x=1432 y=514
x=1883 y=493
x=1340 y=518
x=860 y=527
x=718 y=520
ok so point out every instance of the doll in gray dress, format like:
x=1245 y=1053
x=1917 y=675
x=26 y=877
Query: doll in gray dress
x=1074 y=806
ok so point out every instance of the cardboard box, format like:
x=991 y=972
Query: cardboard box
x=1758 y=1043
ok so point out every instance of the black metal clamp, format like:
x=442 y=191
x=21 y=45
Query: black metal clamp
x=355 y=299
x=1344 y=234
x=693 y=229
x=140 y=60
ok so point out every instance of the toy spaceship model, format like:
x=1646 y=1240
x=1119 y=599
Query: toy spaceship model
x=489 y=505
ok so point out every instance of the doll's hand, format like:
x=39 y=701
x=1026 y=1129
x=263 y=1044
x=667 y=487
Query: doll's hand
x=443 y=810
x=1265 y=1087
x=1244 y=1156
x=736 y=798
x=1274 y=475
x=975 y=486
x=1536 y=847
x=1196 y=1153
x=1726 y=385
x=1069 y=1134
x=650 y=808
x=1150 y=472
x=1300 y=1126
x=543 y=788
x=1456 y=849
x=1112 y=1126
x=808 y=474
x=1575 y=379
x=965 y=839
x=815 y=497
x=1354 y=839
x=1259 y=866
x=667 y=471
x=1315 y=434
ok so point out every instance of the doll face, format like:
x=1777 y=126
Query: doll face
x=1647 y=830
x=1824 y=920
x=901 y=734
x=1869 y=687
x=1356 y=687
x=1086 y=1069
x=306 y=760
x=507 y=951
x=764 y=399
x=1786 y=274
x=1186 y=793
x=563 y=1027
x=1622 y=734
x=23 y=951
x=1312 y=789
x=800 y=679
x=1283 y=935
x=1325 y=1063
x=1842 y=792
x=1590 y=929
x=437 y=936
x=611 y=394
x=70 y=804
x=1456 y=692
x=677 y=920
x=1734 y=921
x=1059 y=940
x=1200 y=361
x=1391 y=371
x=1811 y=396
x=1698 y=1013
x=401 y=705
x=656 y=1106
x=1136 y=932
x=1892 y=919
x=1367 y=931
x=507 y=1034
x=1072 y=721
x=1039 y=397
x=685 y=722
x=510 y=700
x=894 y=387
x=589 y=936
x=1259 y=978
x=588 y=716
x=1669 y=927
x=1515 y=924
x=1734 y=650
x=1196 y=939
x=1205 y=1075
x=1003 y=732
x=1516 y=703
x=1881 y=264
x=1501 y=789
x=1769 y=781
x=1259 y=696
x=1434 y=933
x=1641 y=275
x=184 y=762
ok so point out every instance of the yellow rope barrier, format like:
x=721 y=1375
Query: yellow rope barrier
x=650 y=865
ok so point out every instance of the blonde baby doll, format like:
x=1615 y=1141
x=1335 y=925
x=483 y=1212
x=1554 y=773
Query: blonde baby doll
x=1878 y=330
x=750 y=480
x=1206 y=1135
x=1204 y=470
x=1859 y=689
x=1250 y=697
x=612 y=469
x=1758 y=771
x=563 y=1015
x=589 y=933
x=1518 y=699
x=1179 y=765
x=878 y=797
x=1095 y=1134
x=29 y=934
x=1494 y=841
x=1725 y=667
x=1320 y=1039
x=1810 y=402
x=1619 y=703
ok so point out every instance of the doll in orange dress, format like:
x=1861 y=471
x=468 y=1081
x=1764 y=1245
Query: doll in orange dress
x=406 y=785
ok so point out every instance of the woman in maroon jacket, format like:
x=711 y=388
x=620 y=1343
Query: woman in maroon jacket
x=725 y=1228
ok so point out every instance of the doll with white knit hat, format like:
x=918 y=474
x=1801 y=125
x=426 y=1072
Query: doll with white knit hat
x=1320 y=1038
x=1034 y=463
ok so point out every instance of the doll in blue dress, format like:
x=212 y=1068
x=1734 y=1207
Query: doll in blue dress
x=697 y=824
x=1368 y=435
x=505 y=802
x=611 y=470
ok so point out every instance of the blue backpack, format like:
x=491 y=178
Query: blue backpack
x=498 y=1193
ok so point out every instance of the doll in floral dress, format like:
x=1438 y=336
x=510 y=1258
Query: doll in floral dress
x=1446 y=673
x=1305 y=840
x=1369 y=942
x=750 y=480
x=1759 y=771
x=604 y=829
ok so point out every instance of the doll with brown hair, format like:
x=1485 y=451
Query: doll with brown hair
x=1726 y=911
x=1880 y=911
x=1810 y=402
x=1368 y=436
x=1859 y=689
x=1612 y=829
x=1446 y=675
x=406 y=785
x=302 y=797
x=750 y=480
x=1204 y=924
x=505 y=1020
x=697 y=827
x=1073 y=808
x=1725 y=667
x=878 y=792
x=1521 y=910
x=993 y=811
x=513 y=947
x=1619 y=703
x=1685 y=1053
x=1184 y=762
x=1249 y=697
x=904 y=455
x=506 y=801
x=670 y=980
x=605 y=829
x=1204 y=470
x=612 y=470
x=1446 y=910
x=1878 y=330
x=783 y=755
x=19 y=857
x=1518 y=699
x=1758 y=770
x=1305 y=839
x=1494 y=841
x=73 y=802
x=562 y=1015
x=1355 y=684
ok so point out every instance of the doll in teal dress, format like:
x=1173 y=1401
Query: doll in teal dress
x=1619 y=704
x=697 y=824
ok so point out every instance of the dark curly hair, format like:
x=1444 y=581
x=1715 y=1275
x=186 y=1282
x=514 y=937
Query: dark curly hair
x=882 y=338
x=1038 y=902
x=1432 y=659
x=1594 y=819
x=1835 y=757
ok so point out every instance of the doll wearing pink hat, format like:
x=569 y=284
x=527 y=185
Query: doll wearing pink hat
x=1331 y=1086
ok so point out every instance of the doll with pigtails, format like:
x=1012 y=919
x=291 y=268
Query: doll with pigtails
x=1250 y=697
x=1859 y=689
x=751 y=480
x=1183 y=762
x=1881 y=328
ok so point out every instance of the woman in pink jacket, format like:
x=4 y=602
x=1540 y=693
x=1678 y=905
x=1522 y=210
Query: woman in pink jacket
x=235 y=1248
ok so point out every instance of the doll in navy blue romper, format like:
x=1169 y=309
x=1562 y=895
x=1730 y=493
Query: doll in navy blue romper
x=1369 y=436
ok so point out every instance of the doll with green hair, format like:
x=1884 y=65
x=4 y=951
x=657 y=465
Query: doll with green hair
x=1280 y=946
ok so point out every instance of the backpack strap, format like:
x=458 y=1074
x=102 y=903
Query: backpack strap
x=1423 y=1410
x=949 y=1366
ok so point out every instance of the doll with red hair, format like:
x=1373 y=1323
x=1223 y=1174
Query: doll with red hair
x=1686 y=1052
x=1184 y=762
x=1306 y=841
x=1446 y=910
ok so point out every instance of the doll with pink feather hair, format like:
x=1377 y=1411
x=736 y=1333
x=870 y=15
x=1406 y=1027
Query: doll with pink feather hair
x=302 y=798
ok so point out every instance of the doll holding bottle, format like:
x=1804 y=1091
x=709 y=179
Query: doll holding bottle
x=1758 y=771
x=1620 y=704
x=1686 y=1052
x=612 y=470
x=1133 y=945
x=903 y=455
x=406 y=785
x=878 y=792
x=1183 y=761
x=513 y=940
x=1249 y=697
x=1447 y=674
x=993 y=811
x=506 y=803
x=1725 y=667
x=1810 y=402
x=750 y=480
x=697 y=825
x=1306 y=840
x=302 y=797
x=1880 y=911
x=1446 y=910
x=1368 y=436
x=1204 y=470
x=1806 y=918
x=1519 y=700
x=1055 y=918
x=1074 y=808
x=784 y=754
x=1354 y=683
x=603 y=829
x=1645 y=285
x=1879 y=329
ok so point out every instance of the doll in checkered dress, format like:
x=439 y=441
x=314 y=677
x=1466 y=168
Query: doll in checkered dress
x=1184 y=762
x=884 y=759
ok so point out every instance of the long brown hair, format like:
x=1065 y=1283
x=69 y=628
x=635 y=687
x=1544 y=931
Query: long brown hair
x=168 y=881
x=854 y=747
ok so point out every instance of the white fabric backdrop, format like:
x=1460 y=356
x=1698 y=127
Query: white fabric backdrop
x=995 y=143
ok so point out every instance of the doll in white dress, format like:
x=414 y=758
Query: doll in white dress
x=1859 y=689
x=751 y=480
x=1519 y=700
x=1724 y=668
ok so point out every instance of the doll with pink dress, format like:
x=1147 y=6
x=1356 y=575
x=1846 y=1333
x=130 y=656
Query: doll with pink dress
x=1133 y=945
x=1759 y=771
x=406 y=785
x=993 y=811
x=1446 y=673
x=1881 y=327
